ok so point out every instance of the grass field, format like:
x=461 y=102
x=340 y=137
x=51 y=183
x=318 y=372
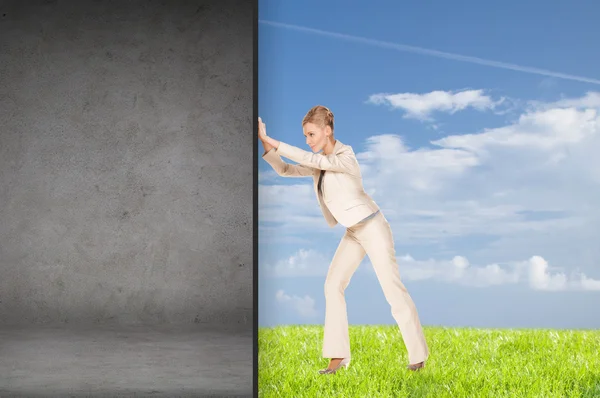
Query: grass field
x=462 y=363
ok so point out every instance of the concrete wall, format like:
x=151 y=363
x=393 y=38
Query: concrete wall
x=126 y=162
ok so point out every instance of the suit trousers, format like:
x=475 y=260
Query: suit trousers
x=372 y=237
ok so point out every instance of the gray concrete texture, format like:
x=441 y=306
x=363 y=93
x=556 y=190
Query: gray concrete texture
x=124 y=361
x=126 y=162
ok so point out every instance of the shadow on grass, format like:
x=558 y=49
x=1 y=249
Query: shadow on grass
x=593 y=391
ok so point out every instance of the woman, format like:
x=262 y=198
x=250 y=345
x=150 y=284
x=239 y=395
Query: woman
x=339 y=190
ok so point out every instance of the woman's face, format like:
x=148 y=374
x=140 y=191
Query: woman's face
x=316 y=136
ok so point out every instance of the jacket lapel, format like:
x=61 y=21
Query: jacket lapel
x=317 y=176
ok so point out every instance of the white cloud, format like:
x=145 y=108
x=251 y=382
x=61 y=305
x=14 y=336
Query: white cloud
x=487 y=183
x=304 y=306
x=535 y=272
x=589 y=284
x=284 y=202
x=302 y=263
x=531 y=186
x=290 y=214
x=266 y=176
x=421 y=106
x=540 y=278
x=538 y=131
x=388 y=158
x=591 y=100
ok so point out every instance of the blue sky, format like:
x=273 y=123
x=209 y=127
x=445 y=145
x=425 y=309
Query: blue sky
x=486 y=168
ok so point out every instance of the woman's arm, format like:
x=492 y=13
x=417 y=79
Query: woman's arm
x=270 y=155
x=285 y=169
x=271 y=142
x=344 y=161
x=282 y=168
x=266 y=146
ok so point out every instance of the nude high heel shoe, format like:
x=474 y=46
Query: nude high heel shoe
x=415 y=367
x=344 y=363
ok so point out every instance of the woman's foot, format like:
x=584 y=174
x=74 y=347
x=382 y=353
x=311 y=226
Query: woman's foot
x=334 y=365
x=416 y=366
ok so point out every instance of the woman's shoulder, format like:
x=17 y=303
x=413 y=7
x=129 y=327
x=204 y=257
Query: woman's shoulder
x=343 y=148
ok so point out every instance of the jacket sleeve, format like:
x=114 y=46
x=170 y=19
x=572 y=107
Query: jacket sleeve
x=344 y=162
x=285 y=169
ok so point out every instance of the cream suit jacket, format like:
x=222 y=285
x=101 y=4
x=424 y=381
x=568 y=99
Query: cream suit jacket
x=344 y=199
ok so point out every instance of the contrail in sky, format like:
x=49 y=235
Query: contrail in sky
x=434 y=53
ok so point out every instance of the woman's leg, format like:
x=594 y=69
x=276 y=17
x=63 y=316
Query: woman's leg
x=376 y=237
x=348 y=256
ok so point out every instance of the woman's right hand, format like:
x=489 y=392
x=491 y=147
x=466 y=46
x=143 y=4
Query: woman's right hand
x=262 y=130
x=262 y=134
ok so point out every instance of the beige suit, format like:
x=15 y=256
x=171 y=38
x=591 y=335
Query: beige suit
x=344 y=200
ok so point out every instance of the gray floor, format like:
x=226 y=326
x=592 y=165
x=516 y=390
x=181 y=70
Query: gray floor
x=101 y=361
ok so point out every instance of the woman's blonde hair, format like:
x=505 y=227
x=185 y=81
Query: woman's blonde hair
x=319 y=115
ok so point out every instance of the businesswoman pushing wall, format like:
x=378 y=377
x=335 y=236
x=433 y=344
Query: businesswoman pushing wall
x=341 y=196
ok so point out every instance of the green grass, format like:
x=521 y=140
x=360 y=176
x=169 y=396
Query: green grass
x=462 y=363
